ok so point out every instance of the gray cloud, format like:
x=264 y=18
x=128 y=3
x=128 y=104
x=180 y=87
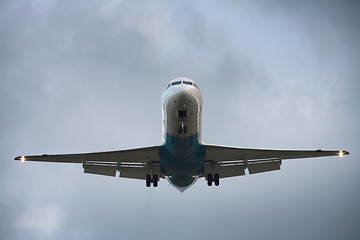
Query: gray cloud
x=88 y=76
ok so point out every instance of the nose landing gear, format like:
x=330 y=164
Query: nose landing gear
x=182 y=129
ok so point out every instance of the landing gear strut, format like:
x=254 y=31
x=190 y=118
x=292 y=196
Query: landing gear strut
x=213 y=179
x=154 y=180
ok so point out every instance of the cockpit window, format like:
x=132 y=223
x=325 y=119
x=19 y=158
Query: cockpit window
x=176 y=83
x=181 y=82
x=187 y=82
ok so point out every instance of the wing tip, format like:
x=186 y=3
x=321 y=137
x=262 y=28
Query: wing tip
x=343 y=152
x=21 y=158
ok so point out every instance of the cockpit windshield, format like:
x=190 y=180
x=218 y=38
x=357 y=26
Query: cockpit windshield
x=182 y=82
x=187 y=82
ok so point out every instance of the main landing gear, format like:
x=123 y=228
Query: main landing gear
x=182 y=129
x=213 y=179
x=154 y=180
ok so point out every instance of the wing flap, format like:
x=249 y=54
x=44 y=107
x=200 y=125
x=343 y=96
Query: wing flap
x=138 y=173
x=263 y=167
x=230 y=171
x=100 y=170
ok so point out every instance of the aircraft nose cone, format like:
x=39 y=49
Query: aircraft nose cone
x=183 y=98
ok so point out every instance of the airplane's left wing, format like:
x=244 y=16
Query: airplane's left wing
x=232 y=161
x=132 y=163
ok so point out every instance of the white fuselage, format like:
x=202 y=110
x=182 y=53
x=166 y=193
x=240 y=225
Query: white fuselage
x=181 y=108
x=182 y=154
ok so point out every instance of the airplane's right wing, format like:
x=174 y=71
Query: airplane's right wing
x=232 y=161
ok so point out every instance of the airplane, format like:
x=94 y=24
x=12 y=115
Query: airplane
x=182 y=158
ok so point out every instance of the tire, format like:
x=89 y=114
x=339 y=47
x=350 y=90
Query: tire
x=216 y=179
x=209 y=179
x=155 y=180
x=148 y=180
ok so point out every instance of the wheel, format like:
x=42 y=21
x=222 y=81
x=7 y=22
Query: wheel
x=209 y=179
x=148 y=180
x=155 y=180
x=216 y=179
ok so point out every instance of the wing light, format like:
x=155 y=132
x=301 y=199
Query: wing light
x=341 y=153
x=22 y=158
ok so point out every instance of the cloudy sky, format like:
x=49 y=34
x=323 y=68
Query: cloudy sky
x=87 y=76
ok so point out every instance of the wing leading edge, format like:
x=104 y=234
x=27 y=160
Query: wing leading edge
x=139 y=162
x=132 y=163
x=232 y=161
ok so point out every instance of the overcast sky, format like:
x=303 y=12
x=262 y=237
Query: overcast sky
x=84 y=76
